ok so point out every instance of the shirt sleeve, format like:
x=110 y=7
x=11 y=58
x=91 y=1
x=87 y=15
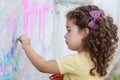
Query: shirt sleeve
x=67 y=64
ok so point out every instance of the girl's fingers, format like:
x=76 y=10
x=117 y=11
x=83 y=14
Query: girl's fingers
x=20 y=38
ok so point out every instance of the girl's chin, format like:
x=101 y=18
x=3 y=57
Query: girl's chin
x=70 y=48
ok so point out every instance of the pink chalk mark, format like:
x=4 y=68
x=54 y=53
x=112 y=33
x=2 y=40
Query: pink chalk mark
x=30 y=21
x=21 y=65
x=26 y=15
x=25 y=23
x=25 y=3
x=2 y=70
x=10 y=68
x=11 y=23
x=45 y=8
x=31 y=11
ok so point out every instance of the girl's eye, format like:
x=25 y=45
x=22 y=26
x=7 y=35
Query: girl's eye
x=68 y=30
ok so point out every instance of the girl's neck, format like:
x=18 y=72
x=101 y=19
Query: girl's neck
x=80 y=51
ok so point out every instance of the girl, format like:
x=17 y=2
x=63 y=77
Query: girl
x=89 y=32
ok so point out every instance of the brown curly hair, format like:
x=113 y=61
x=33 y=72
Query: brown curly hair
x=100 y=42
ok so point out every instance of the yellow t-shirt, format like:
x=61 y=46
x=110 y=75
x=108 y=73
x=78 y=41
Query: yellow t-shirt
x=77 y=67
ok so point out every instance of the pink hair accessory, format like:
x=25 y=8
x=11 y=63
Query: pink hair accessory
x=94 y=14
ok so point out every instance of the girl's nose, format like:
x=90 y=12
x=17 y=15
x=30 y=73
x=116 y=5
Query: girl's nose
x=65 y=36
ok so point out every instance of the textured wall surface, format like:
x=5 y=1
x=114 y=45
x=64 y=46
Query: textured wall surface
x=44 y=22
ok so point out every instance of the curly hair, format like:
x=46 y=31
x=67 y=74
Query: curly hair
x=101 y=42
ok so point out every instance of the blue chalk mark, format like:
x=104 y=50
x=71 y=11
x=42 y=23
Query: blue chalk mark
x=11 y=52
x=13 y=37
x=16 y=61
x=7 y=76
x=7 y=59
x=14 y=69
x=9 y=56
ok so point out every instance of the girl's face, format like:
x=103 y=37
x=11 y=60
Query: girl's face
x=74 y=36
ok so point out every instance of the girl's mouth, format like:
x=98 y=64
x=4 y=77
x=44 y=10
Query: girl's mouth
x=66 y=42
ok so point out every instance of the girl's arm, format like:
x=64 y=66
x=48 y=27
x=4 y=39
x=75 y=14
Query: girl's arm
x=38 y=61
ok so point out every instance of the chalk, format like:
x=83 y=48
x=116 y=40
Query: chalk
x=15 y=45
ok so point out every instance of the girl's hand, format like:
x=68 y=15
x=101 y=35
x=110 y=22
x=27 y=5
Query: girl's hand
x=25 y=40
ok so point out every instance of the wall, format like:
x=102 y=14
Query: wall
x=43 y=22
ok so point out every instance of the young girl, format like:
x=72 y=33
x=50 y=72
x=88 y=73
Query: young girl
x=89 y=32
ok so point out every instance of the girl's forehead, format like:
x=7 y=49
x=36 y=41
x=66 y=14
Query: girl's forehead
x=71 y=25
x=70 y=22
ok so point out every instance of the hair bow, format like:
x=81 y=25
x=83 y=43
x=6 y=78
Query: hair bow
x=94 y=14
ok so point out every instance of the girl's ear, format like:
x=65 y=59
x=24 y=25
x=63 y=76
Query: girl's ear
x=85 y=32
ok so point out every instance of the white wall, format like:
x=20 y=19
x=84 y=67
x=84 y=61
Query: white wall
x=44 y=22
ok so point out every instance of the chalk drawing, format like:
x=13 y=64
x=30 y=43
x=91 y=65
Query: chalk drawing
x=34 y=11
